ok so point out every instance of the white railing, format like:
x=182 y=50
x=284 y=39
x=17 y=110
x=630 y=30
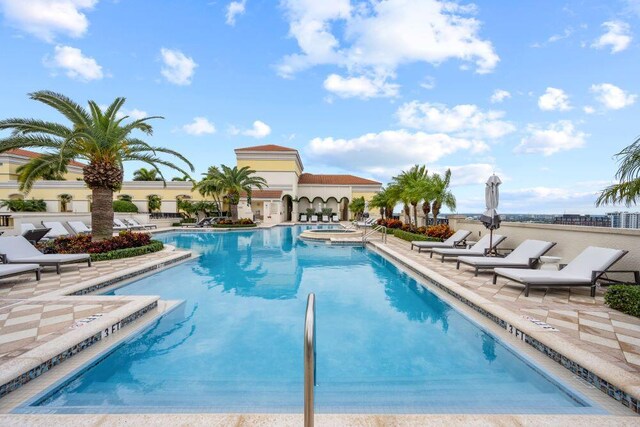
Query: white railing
x=309 y=359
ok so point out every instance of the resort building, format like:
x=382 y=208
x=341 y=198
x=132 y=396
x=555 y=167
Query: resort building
x=290 y=191
x=624 y=219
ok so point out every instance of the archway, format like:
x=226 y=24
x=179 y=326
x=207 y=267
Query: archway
x=64 y=202
x=287 y=205
x=303 y=204
x=344 y=209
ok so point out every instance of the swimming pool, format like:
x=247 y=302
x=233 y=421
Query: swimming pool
x=385 y=344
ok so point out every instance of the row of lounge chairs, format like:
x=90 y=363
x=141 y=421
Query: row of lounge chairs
x=319 y=218
x=518 y=265
x=54 y=229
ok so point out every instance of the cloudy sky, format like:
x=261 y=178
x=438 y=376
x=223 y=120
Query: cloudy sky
x=543 y=92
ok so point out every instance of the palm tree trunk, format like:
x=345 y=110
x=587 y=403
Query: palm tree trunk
x=415 y=213
x=102 y=213
x=435 y=210
x=233 y=207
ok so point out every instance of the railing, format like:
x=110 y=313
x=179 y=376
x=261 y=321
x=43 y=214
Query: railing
x=309 y=359
x=5 y=220
x=378 y=228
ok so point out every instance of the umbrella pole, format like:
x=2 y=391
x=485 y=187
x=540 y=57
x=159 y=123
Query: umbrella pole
x=490 y=241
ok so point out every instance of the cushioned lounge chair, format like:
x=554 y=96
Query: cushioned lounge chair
x=369 y=222
x=133 y=223
x=480 y=248
x=314 y=218
x=79 y=227
x=17 y=250
x=9 y=270
x=57 y=229
x=584 y=270
x=35 y=235
x=526 y=255
x=325 y=218
x=303 y=218
x=204 y=222
x=451 y=242
x=334 y=218
x=121 y=225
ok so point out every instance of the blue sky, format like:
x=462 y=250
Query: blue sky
x=544 y=93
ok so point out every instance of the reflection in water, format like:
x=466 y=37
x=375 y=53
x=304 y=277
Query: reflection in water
x=488 y=347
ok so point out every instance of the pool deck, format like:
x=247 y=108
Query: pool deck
x=602 y=340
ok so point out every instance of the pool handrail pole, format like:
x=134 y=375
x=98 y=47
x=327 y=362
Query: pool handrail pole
x=309 y=359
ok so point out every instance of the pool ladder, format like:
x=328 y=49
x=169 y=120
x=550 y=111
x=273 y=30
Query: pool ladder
x=366 y=236
x=309 y=359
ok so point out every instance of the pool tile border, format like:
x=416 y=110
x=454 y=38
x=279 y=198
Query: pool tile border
x=33 y=373
x=613 y=391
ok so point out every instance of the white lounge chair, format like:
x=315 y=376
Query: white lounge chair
x=133 y=223
x=27 y=226
x=451 y=242
x=122 y=226
x=314 y=218
x=57 y=229
x=18 y=250
x=334 y=218
x=584 y=270
x=79 y=227
x=325 y=218
x=480 y=248
x=526 y=255
x=303 y=218
x=9 y=270
x=366 y=223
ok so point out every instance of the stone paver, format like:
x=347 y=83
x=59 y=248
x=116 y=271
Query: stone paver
x=581 y=319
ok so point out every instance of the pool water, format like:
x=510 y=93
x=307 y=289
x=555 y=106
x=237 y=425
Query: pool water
x=384 y=342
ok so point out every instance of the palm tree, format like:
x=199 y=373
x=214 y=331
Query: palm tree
x=232 y=182
x=144 y=174
x=95 y=136
x=627 y=190
x=52 y=174
x=182 y=179
x=414 y=185
x=380 y=200
x=209 y=186
x=441 y=194
x=357 y=206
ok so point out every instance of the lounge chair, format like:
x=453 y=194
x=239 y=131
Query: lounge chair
x=122 y=226
x=17 y=250
x=451 y=242
x=27 y=226
x=366 y=223
x=303 y=218
x=584 y=270
x=57 y=229
x=325 y=218
x=8 y=270
x=133 y=223
x=334 y=218
x=204 y=222
x=314 y=218
x=526 y=255
x=480 y=248
x=79 y=227
x=35 y=235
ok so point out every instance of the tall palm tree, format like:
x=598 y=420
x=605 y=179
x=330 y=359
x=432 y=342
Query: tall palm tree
x=232 y=182
x=414 y=184
x=441 y=194
x=384 y=201
x=209 y=185
x=627 y=190
x=144 y=174
x=95 y=136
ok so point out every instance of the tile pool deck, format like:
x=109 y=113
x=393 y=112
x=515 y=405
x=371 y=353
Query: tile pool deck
x=33 y=315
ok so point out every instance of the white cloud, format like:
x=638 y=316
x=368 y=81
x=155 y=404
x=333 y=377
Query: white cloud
x=75 y=64
x=612 y=97
x=617 y=35
x=384 y=153
x=136 y=114
x=557 y=37
x=577 y=199
x=178 y=68
x=360 y=87
x=235 y=8
x=588 y=109
x=559 y=136
x=199 y=126
x=500 y=95
x=259 y=130
x=462 y=120
x=554 y=99
x=375 y=38
x=47 y=18
x=469 y=174
x=428 y=83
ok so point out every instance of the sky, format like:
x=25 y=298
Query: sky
x=543 y=92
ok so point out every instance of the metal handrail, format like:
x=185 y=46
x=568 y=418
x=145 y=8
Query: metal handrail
x=309 y=359
x=381 y=228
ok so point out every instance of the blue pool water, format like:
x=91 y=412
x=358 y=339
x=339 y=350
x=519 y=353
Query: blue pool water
x=384 y=343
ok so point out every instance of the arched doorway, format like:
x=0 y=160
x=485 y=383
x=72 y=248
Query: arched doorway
x=287 y=204
x=344 y=209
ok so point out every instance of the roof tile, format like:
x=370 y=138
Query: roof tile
x=308 y=178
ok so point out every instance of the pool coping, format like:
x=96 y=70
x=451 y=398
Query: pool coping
x=605 y=376
x=32 y=364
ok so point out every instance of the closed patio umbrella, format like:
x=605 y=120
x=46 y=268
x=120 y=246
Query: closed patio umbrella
x=490 y=218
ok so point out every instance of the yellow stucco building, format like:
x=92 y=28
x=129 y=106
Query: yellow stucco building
x=290 y=190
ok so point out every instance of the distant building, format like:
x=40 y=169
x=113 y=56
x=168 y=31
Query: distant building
x=583 y=220
x=624 y=219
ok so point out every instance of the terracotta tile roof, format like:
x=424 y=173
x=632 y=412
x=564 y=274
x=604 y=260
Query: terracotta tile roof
x=265 y=194
x=268 y=147
x=32 y=155
x=308 y=178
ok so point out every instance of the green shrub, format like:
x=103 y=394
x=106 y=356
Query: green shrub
x=124 y=206
x=405 y=235
x=233 y=225
x=625 y=298
x=154 y=246
x=188 y=221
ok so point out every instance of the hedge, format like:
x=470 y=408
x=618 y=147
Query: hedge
x=154 y=246
x=232 y=225
x=625 y=298
x=124 y=206
x=405 y=235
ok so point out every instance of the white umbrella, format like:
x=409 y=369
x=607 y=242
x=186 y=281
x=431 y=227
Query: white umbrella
x=490 y=218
